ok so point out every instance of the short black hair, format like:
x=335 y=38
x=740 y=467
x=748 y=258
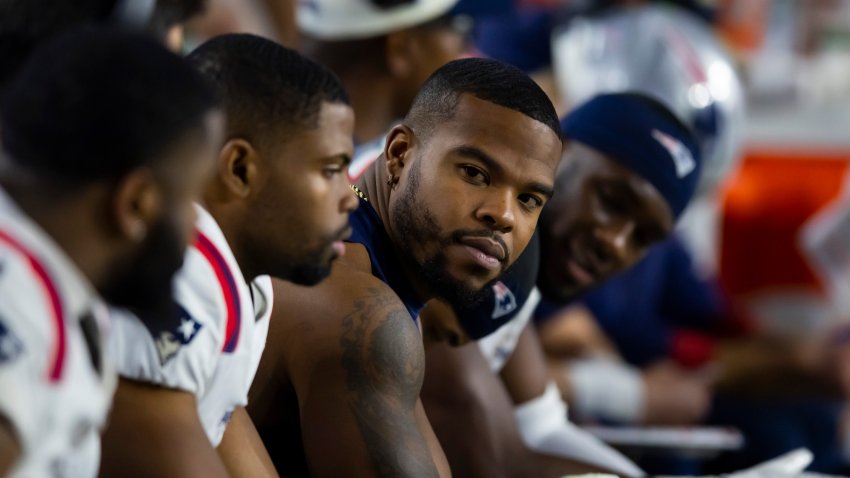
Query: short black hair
x=95 y=103
x=486 y=79
x=264 y=86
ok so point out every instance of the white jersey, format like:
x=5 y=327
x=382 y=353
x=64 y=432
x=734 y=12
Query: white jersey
x=214 y=349
x=499 y=346
x=55 y=386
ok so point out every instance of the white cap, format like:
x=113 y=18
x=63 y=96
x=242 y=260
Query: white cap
x=356 y=19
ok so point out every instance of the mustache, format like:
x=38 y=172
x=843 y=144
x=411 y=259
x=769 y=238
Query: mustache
x=342 y=233
x=456 y=236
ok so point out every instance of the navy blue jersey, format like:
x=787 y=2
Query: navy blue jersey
x=367 y=229
x=503 y=299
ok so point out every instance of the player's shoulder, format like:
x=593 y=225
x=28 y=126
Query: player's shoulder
x=26 y=307
x=349 y=282
x=177 y=354
x=311 y=319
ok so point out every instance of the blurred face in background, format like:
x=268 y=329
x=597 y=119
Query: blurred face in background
x=602 y=220
x=426 y=48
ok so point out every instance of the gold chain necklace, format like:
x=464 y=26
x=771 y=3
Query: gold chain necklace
x=359 y=193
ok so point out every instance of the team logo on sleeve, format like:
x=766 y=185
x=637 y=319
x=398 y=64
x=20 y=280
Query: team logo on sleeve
x=504 y=300
x=11 y=346
x=169 y=342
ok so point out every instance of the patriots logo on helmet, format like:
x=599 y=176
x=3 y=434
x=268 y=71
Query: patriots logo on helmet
x=11 y=346
x=504 y=300
x=169 y=342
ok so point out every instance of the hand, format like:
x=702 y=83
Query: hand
x=674 y=395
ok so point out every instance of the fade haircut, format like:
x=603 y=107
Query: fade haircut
x=96 y=103
x=265 y=88
x=485 y=79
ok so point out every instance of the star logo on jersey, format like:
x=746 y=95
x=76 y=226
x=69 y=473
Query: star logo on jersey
x=505 y=301
x=11 y=346
x=226 y=418
x=169 y=342
x=682 y=158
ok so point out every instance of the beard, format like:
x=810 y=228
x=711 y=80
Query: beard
x=310 y=272
x=312 y=267
x=143 y=282
x=414 y=224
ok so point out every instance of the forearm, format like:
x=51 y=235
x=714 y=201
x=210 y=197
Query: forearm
x=242 y=451
x=10 y=449
x=156 y=432
x=564 y=447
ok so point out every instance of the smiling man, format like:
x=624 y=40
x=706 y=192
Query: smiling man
x=453 y=201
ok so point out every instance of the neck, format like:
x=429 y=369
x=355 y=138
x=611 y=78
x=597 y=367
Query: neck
x=228 y=218
x=373 y=183
x=372 y=98
x=73 y=227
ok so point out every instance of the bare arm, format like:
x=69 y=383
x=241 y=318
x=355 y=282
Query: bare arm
x=10 y=449
x=474 y=418
x=525 y=374
x=156 y=431
x=357 y=371
x=241 y=449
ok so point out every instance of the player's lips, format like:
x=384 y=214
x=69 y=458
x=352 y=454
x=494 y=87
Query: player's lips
x=487 y=252
x=580 y=268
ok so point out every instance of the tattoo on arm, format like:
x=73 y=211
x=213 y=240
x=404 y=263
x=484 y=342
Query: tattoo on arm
x=384 y=363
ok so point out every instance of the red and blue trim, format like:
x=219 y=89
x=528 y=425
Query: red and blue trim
x=228 y=289
x=52 y=295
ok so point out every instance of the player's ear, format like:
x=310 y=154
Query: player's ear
x=397 y=149
x=238 y=167
x=137 y=203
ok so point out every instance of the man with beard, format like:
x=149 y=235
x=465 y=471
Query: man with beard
x=278 y=205
x=453 y=201
x=106 y=138
x=630 y=167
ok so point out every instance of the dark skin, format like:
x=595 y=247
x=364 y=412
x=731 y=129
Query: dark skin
x=485 y=441
x=133 y=204
x=382 y=90
x=603 y=220
x=10 y=448
x=348 y=359
x=250 y=180
x=596 y=200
